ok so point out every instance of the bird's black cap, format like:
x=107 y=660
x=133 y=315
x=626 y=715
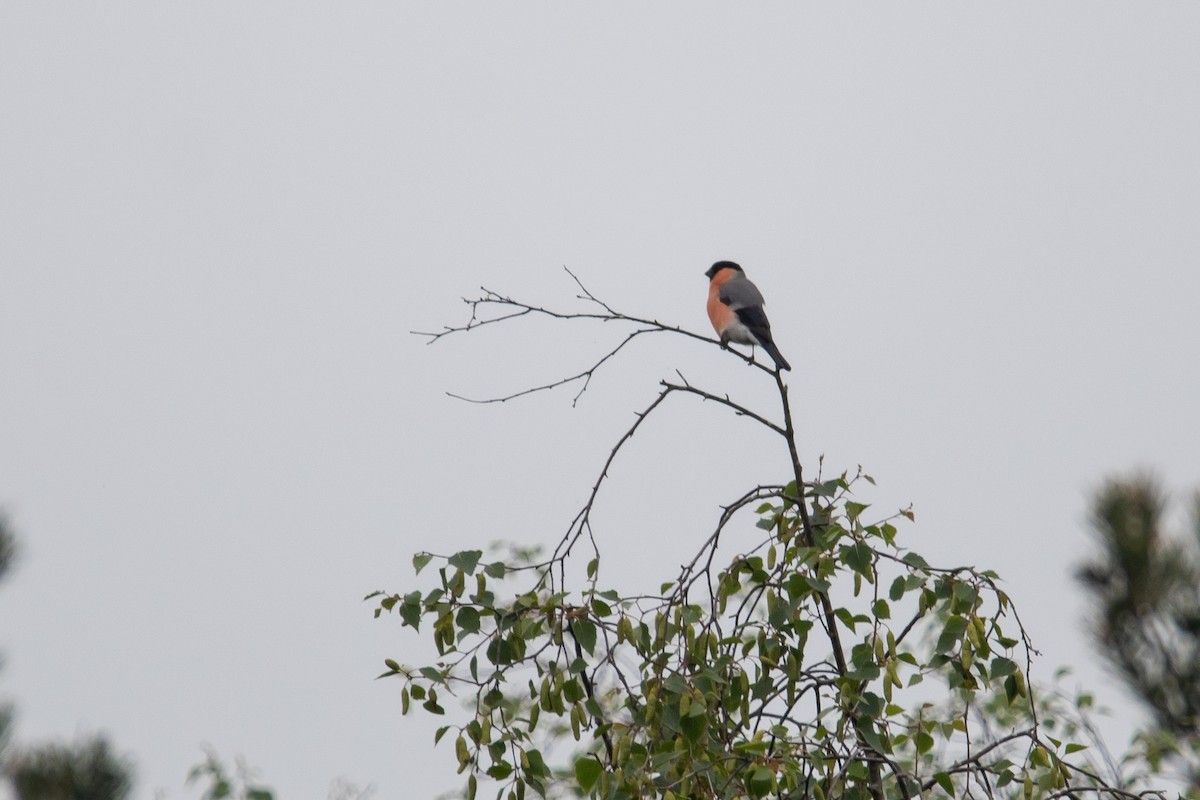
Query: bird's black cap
x=720 y=265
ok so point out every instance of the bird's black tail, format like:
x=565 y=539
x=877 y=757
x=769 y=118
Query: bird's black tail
x=776 y=356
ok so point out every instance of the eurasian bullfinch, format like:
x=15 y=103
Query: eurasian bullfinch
x=735 y=306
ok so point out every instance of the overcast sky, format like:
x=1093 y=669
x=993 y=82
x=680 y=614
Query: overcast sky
x=977 y=229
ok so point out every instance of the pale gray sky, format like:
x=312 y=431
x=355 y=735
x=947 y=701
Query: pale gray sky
x=976 y=228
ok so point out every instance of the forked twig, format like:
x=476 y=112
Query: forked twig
x=510 y=309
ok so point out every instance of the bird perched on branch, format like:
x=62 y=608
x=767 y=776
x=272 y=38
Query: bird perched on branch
x=735 y=306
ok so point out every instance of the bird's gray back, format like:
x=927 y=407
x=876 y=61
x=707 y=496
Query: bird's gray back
x=739 y=292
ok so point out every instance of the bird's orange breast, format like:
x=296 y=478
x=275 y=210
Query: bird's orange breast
x=718 y=313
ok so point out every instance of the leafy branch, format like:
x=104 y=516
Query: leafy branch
x=788 y=670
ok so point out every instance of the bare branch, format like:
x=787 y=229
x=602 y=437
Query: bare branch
x=510 y=309
x=738 y=409
x=585 y=376
x=1029 y=733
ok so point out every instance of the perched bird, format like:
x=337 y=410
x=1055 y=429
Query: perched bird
x=735 y=306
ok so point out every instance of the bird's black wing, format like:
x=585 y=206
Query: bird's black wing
x=755 y=320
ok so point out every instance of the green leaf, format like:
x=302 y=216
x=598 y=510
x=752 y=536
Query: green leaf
x=846 y=617
x=585 y=633
x=1002 y=667
x=587 y=772
x=858 y=558
x=1073 y=747
x=963 y=598
x=854 y=510
x=943 y=780
x=410 y=610
x=496 y=569
x=420 y=560
x=898 y=588
x=816 y=584
x=952 y=634
x=752 y=748
x=881 y=609
x=862 y=658
x=499 y=652
x=828 y=488
x=915 y=560
x=466 y=560
x=694 y=722
x=871 y=736
x=468 y=619
x=573 y=691
x=536 y=766
x=759 y=782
